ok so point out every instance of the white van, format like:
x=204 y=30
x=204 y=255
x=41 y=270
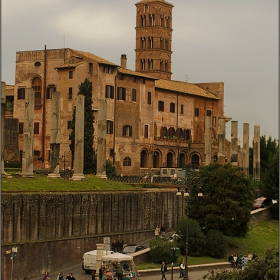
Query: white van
x=89 y=260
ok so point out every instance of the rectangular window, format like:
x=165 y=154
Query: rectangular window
x=70 y=93
x=161 y=106
x=196 y=112
x=90 y=67
x=134 y=95
x=50 y=91
x=214 y=121
x=109 y=91
x=121 y=76
x=110 y=127
x=134 y=79
x=149 y=101
x=182 y=109
x=143 y=81
x=36 y=153
x=111 y=152
x=21 y=93
x=146 y=131
x=209 y=113
x=127 y=130
x=69 y=124
x=20 y=128
x=172 y=107
x=121 y=93
x=70 y=74
x=36 y=128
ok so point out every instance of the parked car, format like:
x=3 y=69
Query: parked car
x=132 y=248
x=261 y=202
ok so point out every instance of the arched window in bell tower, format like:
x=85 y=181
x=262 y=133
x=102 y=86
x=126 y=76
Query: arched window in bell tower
x=166 y=44
x=166 y=65
x=161 y=43
x=161 y=20
x=146 y=8
x=143 y=20
x=142 y=64
x=152 y=20
x=151 y=42
x=161 y=65
x=143 y=42
x=150 y=64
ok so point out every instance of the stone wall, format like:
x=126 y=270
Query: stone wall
x=53 y=230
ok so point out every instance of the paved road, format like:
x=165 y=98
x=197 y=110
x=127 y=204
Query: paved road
x=79 y=274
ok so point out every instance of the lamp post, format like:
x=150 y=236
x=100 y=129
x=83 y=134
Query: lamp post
x=196 y=181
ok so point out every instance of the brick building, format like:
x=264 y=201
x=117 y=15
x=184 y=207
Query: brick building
x=152 y=121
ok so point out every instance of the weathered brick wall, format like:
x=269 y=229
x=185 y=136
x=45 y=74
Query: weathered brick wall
x=53 y=230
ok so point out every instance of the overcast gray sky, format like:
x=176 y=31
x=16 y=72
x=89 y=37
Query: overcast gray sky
x=230 y=41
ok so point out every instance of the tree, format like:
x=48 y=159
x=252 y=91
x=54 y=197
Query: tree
x=270 y=181
x=85 y=88
x=196 y=238
x=226 y=202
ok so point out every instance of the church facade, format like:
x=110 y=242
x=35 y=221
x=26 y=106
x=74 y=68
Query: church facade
x=153 y=122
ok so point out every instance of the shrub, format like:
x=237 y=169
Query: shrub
x=161 y=250
x=216 y=244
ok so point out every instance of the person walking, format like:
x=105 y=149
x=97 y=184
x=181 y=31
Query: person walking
x=60 y=276
x=162 y=231
x=182 y=269
x=46 y=275
x=119 y=272
x=163 y=270
x=157 y=232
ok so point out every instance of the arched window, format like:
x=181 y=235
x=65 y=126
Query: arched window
x=144 y=159
x=163 y=132
x=188 y=134
x=127 y=161
x=143 y=20
x=156 y=159
x=182 y=160
x=142 y=64
x=37 y=87
x=151 y=66
x=195 y=161
x=169 y=159
x=180 y=133
x=215 y=158
x=171 y=131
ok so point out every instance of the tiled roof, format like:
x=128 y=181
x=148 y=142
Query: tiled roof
x=70 y=65
x=10 y=89
x=134 y=73
x=95 y=57
x=146 y=1
x=184 y=87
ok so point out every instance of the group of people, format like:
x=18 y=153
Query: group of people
x=240 y=261
x=59 y=276
x=160 y=232
x=117 y=246
x=163 y=270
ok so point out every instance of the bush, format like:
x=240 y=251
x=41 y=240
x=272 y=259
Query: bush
x=161 y=250
x=196 y=238
x=216 y=244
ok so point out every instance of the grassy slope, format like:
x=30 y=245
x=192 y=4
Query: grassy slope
x=261 y=235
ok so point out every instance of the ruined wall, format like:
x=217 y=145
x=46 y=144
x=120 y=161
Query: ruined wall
x=47 y=227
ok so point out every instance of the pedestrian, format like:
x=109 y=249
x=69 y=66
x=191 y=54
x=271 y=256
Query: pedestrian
x=182 y=268
x=46 y=275
x=238 y=261
x=119 y=272
x=162 y=231
x=101 y=273
x=250 y=256
x=60 y=276
x=254 y=255
x=157 y=232
x=93 y=275
x=68 y=277
x=244 y=262
x=163 y=270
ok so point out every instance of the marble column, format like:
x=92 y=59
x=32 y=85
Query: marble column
x=28 y=134
x=207 y=139
x=256 y=153
x=55 y=136
x=79 y=139
x=101 y=139
x=234 y=143
x=221 y=141
x=245 y=150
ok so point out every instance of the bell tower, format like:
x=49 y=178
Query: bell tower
x=154 y=38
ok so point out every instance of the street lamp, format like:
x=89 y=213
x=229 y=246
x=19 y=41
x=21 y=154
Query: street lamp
x=196 y=181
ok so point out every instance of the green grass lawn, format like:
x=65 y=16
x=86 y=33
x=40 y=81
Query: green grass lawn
x=261 y=236
x=43 y=183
